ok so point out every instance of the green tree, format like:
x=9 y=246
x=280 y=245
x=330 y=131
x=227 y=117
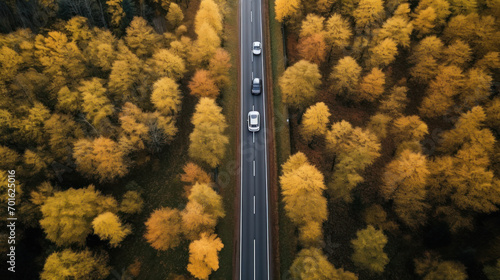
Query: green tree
x=108 y=227
x=492 y=272
x=299 y=84
x=68 y=264
x=207 y=141
x=369 y=249
x=67 y=220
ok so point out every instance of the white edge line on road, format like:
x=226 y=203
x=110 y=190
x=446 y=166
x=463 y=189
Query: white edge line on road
x=265 y=150
x=254 y=259
x=241 y=135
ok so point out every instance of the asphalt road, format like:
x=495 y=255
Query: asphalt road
x=254 y=213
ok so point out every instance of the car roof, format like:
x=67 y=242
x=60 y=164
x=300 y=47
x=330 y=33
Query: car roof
x=256 y=80
x=253 y=113
x=256 y=43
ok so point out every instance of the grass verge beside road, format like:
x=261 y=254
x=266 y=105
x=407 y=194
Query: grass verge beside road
x=287 y=240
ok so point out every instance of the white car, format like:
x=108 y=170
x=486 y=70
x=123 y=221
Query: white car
x=253 y=121
x=256 y=48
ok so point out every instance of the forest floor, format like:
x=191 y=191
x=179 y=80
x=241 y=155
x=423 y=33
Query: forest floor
x=286 y=242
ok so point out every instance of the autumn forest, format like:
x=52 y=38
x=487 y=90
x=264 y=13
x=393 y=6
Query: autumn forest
x=119 y=123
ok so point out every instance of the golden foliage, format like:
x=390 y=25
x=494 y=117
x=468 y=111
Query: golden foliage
x=108 y=227
x=369 y=249
x=67 y=215
x=315 y=121
x=204 y=255
x=207 y=141
x=163 y=229
x=202 y=85
x=299 y=84
x=68 y=264
x=371 y=86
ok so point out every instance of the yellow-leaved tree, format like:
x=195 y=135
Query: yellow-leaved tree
x=345 y=77
x=163 y=229
x=68 y=264
x=371 y=86
x=299 y=84
x=115 y=8
x=219 y=66
x=101 y=158
x=202 y=85
x=68 y=215
x=315 y=121
x=141 y=37
x=164 y=63
x=208 y=141
x=96 y=104
x=286 y=9
x=405 y=181
x=204 y=255
x=311 y=263
x=209 y=12
x=369 y=249
x=109 y=227
x=166 y=96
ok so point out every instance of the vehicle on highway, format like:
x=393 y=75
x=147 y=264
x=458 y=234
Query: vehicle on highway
x=256 y=86
x=256 y=48
x=253 y=121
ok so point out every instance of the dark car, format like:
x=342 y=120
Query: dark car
x=256 y=86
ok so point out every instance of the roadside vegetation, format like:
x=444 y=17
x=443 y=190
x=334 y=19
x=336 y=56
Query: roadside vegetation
x=118 y=119
x=393 y=118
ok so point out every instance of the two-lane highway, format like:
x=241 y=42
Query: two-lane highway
x=254 y=212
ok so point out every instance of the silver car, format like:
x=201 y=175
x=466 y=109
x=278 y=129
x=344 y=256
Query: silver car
x=253 y=121
x=256 y=48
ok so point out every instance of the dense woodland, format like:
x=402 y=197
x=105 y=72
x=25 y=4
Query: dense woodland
x=395 y=123
x=91 y=91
